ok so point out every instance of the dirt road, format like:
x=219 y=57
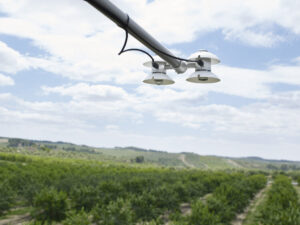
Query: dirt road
x=182 y=158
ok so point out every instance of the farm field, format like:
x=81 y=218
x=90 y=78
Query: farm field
x=279 y=204
x=39 y=186
x=63 y=191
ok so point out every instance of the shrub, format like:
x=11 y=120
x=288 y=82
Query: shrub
x=281 y=206
x=219 y=207
x=7 y=197
x=144 y=208
x=115 y=213
x=50 y=205
x=201 y=215
x=165 y=198
x=85 y=197
x=110 y=191
x=227 y=200
x=77 y=218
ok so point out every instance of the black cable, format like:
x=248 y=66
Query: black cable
x=199 y=62
x=154 y=64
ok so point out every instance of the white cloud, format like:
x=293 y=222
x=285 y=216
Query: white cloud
x=81 y=39
x=93 y=93
x=81 y=44
x=187 y=105
x=199 y=143
x=88 y=69
x=254 y=38
x=88 y=104
x=10 y=60
x=86 y=51
x=112 y=127
x=251 y=22
x=272 y=121
x=6 y=81
x=242 y=82
x=184 y=104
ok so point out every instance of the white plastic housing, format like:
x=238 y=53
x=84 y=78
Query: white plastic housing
x=158 y=78
x=204 y=54
x=203 y=77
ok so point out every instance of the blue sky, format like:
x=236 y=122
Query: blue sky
x=62 y=80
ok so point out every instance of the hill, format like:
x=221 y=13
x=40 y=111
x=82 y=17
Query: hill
x=140 y=156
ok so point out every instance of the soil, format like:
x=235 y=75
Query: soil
x=16 y=219
x=3 y=140
x=233 y=163
x=252 y=206
x=182 y=158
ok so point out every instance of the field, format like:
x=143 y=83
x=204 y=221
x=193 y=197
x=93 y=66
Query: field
x=70 y=184
x=61 y=190
x=144 y=156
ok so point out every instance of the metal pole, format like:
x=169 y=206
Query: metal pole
x=120 y=18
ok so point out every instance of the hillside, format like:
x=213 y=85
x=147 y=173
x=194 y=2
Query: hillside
x=140 y=156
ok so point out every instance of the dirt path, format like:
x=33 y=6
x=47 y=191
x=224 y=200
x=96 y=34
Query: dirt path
x=252 y=206
x=182 y=158
x=16 y=219
x=233 y=163
x=3 y=140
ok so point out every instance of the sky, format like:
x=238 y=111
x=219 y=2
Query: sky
x=61 y=78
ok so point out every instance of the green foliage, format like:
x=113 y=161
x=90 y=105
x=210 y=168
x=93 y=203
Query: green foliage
x=144 y=208
x=30 y=190
x=7 y=197
x=15 y=142
x=165 y=198
x=115 y=213
x=38 y=223
x=272 y=167
x=111 y=191
x=227 y=200
x=45 y=149
x=85 y=197
x=202 y=215
x=139 y=159
x=77 y=218
x=130 y=194
x=219 y=207
x=282 y=206
x=50 y=205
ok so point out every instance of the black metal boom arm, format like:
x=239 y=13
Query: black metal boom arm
x=121 y=19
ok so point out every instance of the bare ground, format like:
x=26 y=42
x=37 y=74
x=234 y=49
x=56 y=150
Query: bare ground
x=233 y=163
x=239 y=220
x=16 y=219
x=182 y=158
x=3 y=140
x=185 y=209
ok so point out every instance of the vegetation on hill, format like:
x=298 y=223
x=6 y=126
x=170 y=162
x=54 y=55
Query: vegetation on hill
x=140 y=156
